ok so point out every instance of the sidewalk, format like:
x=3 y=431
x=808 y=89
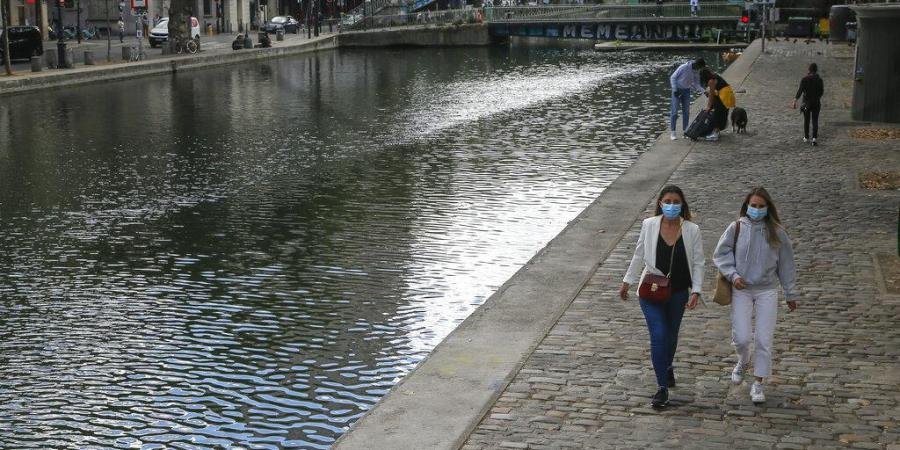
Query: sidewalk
x=836 y=378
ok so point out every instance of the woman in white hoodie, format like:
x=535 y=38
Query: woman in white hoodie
x=669 y=245
x=756 y=261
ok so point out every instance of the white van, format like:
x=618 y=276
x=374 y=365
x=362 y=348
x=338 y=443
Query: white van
x=160 y=33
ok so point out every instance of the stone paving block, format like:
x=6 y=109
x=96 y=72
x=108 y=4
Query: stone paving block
x=836 y=380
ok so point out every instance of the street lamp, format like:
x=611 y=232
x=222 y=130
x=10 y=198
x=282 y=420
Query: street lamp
x=108 y=36
x=78 y=20
x=60 y=43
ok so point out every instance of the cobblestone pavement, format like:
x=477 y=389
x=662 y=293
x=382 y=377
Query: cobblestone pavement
x=836 y=377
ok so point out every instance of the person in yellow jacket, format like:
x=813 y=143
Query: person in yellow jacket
x=720 y=99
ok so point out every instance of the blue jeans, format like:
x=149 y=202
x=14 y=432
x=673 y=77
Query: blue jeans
x=682 y=98
x=663 y=321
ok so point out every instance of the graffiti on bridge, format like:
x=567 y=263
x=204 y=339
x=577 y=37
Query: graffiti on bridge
x=610 y=31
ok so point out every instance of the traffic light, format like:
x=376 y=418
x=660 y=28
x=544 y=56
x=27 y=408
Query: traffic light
x=745 y=17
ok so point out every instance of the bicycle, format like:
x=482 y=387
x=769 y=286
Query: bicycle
x=188 y=45
x=69 y=33
x=137 y=53
x=90 y=32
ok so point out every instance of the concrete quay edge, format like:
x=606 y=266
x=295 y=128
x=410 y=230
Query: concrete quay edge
x=439 y=404
x=428 y=36
x=662 y=46
x=174 y=64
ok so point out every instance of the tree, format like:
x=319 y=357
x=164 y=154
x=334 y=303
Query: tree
x=179 y=14
x=4 y=11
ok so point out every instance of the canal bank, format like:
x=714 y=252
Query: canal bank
x=418 y=36
x=279 y=243
x=442 y=400
x=554 y=359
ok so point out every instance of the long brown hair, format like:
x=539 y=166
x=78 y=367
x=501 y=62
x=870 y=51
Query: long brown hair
x=685 y=210
x=773 y=223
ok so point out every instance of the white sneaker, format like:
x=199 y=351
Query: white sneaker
x=805 y=140
x=814 y=143
x=712 y=137
x=674 y=136
x=756 y=393
x=737 y=375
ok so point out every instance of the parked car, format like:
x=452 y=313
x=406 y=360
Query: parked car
x=800 y=27
x=286 y=23
x=24 y=42
x=160 y=33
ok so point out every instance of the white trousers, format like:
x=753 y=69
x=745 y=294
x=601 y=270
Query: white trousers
x=743 y=304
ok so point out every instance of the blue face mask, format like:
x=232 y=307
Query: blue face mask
x=757 y=213
x=671 y=211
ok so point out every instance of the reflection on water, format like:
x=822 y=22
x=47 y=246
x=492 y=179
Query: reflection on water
x=251 y=256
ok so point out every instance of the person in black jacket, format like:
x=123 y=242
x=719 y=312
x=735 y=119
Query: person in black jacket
x=811 y=88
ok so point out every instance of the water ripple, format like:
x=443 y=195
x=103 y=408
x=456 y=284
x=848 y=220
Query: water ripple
x=252 y=256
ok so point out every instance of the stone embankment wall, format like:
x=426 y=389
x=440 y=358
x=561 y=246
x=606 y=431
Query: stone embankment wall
x=444 y=36
x=420 y=36
x=95 y=74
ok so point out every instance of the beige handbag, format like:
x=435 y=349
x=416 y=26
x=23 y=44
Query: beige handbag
x=722 y=294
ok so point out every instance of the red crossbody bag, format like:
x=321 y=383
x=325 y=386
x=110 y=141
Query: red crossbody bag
x=657 y=288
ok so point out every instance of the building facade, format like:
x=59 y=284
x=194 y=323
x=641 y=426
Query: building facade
x=224 y=16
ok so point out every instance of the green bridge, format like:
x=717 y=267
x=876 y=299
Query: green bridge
x=650 y=22
x=637 y=22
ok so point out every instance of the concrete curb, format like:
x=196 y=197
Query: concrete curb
x=439 y=404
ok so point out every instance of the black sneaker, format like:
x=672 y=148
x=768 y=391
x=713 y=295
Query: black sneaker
x=661 y=399
x=671 y=377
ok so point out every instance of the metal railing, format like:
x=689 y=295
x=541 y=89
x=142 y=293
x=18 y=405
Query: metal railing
x=356 y=14
x=444 y=17
x=570 y=13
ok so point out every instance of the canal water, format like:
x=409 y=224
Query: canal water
x=251 y=256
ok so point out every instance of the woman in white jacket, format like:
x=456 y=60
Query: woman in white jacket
x=669 y=245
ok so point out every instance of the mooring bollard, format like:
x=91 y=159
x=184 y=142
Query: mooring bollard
x=69 y=59
x=88 y=58
x=36 y=64
x=126 y=53
x=50 y=57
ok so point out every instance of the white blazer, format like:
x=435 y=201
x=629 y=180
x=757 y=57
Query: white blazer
x=646 y=250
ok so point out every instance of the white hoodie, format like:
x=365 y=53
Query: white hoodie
x=758 y=263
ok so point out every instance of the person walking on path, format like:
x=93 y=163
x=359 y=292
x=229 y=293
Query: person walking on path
x=669 y=245
x=685 y=78
x=755 y=254
x=811 y=88
x=695 y=8
x=720 y=98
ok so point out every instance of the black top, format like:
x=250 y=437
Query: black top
x=681 y=274
x=811 y=88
